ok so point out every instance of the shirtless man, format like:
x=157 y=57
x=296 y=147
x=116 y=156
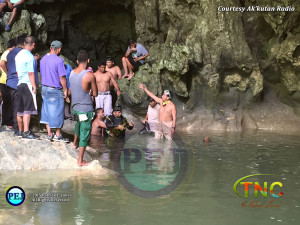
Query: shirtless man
x=116 y=72
x=98 y=124
x=112 y=68
x=104 y=98
x=167 y=114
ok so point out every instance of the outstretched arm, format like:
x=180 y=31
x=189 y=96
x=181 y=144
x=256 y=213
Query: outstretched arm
x=159 y=100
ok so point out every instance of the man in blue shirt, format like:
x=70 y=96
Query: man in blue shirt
x=134 y=57
x=26 y=67
x=12 y=83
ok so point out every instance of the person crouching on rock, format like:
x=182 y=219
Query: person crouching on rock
x=167 y=114
x=117 y=123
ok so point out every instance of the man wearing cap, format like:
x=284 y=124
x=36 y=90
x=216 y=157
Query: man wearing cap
x=117 y=124
x=167 y=114
x=54 y=90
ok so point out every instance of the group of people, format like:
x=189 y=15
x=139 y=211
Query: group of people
x=87 y=90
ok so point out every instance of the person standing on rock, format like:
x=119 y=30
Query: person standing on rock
x=12 y=85
x=134 y=57
x=7 y=114
x=16 y=7
x=104 y=98
x=54 y=91
x=117 y=74
x=82 y=86
x=167 y=114
x=26 y=67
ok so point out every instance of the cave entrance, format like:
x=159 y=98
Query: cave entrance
x=100 y=27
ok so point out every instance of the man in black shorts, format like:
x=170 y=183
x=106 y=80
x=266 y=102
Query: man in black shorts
x=26 y=67
x=134 y=57
x=16 y=7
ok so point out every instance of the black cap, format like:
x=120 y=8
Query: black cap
x=117 y=108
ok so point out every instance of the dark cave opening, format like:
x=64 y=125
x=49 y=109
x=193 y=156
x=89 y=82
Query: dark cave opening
x=100 y=27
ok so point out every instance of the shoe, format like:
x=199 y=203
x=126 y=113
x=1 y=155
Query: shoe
x=18 y=134
x=60 y=138
x=7 y=28
x=50 y=138
x=30 y=136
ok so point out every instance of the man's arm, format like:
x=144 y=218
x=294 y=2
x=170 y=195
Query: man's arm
x=87 y=79
x=174 y=118
x=115 y=84
x=63 y=82
x=159 y=100
x=32 y=81
x=141 y=57
x=146 y=118
x=119 y=72
x=3 y=66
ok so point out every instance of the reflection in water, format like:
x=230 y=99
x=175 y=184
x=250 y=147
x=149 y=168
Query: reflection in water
x=207 y=197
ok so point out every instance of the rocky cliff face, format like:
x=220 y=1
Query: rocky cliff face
x=227 y=70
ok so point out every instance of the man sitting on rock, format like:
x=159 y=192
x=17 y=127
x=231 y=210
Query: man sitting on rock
x=16 y=7
x=134 y=57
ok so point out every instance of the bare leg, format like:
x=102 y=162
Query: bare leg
x=26 y=122
x=125 y=67
x=58 y=132
x=20 y=122
x=75 y=141
x=48 y=130
x=80 y=161
x=130 y=72
x=12 y=16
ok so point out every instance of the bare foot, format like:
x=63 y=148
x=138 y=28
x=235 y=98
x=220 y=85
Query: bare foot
x=83 y=163
x=75 y=145
x=130 y=76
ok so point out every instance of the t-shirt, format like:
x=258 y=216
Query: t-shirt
x=153 y=115
x=140 y=51
x=52 y=68
x=12 y=76
x=3 y=74
x=25 y=63
x=68 y=71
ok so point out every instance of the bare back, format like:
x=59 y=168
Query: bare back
x=103 y=81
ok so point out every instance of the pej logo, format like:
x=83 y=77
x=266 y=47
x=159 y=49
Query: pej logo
x=150 y=168
x=256 y=186
x=15 y=195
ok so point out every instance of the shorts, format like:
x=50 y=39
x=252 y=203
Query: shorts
x=134 y=65
x=104 y=101
x=164 y=129
x=83 y=128
x=53 y=107
x=28 y=100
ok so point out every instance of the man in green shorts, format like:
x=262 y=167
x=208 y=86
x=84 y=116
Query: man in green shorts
x=83 y=86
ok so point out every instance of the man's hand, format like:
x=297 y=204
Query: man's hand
x=68 y=100
x=131 y=124
x=65 y=93
x=144 y=121
x=133 y=49
x=119 y=92
x=120 y=127
x=34 y=91
x=173 y=131
x=10 y=5
x=137 y=59
x=141 y=86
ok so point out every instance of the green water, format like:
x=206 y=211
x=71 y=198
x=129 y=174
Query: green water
x=187 y=182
